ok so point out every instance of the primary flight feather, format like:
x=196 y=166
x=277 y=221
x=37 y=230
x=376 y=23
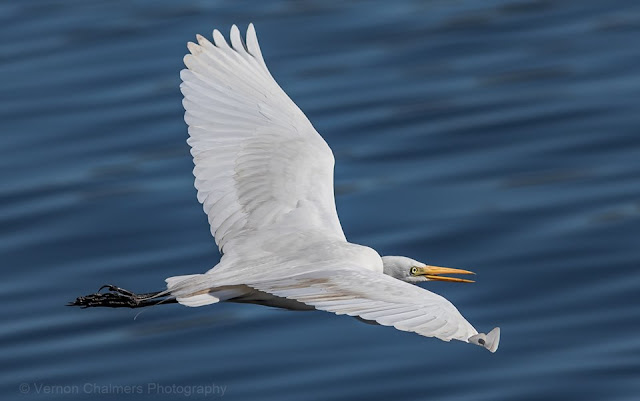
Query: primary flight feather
x=265 y=179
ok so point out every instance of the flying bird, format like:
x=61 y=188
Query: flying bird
x=264 y=176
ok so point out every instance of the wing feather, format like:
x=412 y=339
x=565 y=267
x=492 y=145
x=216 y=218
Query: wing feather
x=377 y=297
x=259 y=163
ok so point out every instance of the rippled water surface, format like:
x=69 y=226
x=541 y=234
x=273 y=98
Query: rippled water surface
x=497 y=136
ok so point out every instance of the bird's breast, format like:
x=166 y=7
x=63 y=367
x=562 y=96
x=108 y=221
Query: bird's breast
x=315 y=247
x=360 y=255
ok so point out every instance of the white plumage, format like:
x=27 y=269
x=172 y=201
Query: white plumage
x=260 y=164
x=265 y=178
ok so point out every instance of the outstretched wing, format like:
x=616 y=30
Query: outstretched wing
x=258 y=160
x=380 y=298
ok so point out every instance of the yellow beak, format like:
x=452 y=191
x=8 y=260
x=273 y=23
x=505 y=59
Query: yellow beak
x=432 y=273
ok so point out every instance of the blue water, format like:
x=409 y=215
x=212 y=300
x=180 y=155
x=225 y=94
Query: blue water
x=497 y=136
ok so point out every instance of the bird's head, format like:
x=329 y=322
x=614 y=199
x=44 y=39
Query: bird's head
x=412 y=271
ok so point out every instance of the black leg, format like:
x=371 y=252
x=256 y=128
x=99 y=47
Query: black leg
x=121 y=298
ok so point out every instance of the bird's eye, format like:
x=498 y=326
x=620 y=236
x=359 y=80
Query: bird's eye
x=414 y=270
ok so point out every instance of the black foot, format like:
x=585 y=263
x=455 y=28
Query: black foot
x=119 y=298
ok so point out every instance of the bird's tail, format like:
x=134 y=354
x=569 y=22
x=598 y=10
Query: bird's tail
x=196 y=290
x=490 y=341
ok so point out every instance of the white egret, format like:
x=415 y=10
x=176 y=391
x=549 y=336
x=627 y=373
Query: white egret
x=265 y=179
